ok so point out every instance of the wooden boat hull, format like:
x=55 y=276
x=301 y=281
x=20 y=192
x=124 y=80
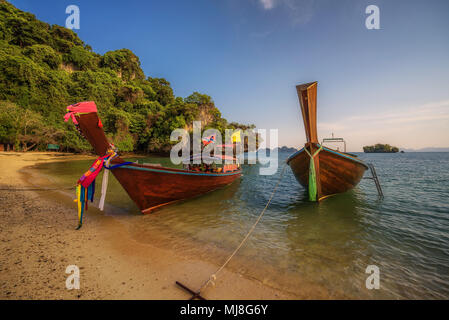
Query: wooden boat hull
x=336 y=172
x=151 y=187
x=331 y=171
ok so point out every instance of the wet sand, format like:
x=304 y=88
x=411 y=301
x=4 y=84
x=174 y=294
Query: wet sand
x=38 y=241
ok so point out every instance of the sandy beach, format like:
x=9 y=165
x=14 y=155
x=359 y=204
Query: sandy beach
x=38 y=241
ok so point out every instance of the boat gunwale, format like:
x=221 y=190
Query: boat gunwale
x=136 y=166
x=294 y=155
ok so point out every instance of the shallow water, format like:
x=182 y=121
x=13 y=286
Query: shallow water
x=314 y=250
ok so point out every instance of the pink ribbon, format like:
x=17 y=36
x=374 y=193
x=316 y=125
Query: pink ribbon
x=80 y=107
x=94 y=170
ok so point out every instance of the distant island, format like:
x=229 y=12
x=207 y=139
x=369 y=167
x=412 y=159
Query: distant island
x=286 y=149
x=280 y=149
x=380 y=148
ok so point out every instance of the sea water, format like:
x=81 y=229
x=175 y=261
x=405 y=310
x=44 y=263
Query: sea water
x=309 y=249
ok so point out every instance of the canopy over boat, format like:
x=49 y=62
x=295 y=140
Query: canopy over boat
x=208 y=158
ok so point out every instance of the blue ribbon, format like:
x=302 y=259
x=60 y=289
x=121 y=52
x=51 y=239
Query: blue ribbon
x=118 y=165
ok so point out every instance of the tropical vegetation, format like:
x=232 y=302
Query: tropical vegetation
x=44 y=68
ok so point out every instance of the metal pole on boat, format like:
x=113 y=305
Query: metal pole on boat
x=375 y=178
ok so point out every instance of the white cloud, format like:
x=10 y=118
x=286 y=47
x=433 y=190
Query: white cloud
x=267 y=4
x=298 y=11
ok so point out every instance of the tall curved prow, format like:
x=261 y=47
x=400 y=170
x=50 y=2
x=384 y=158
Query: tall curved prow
x=322 y=171
x=307 y=94
x=85 y=117
x=307 y=99
x=90 y=126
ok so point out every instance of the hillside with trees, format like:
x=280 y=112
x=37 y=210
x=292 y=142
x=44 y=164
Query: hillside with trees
x=44 y=68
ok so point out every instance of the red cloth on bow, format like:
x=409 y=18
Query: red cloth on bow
x=80 y=107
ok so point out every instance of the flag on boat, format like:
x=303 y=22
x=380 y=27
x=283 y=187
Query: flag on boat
x=208 y=140
x=236 y=137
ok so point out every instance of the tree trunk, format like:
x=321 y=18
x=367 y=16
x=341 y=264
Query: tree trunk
x=30 y=147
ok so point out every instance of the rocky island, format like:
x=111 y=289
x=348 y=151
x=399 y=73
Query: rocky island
x=380 y=148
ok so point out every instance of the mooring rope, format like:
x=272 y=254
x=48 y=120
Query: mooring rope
x=37 y=189
x=213 y=277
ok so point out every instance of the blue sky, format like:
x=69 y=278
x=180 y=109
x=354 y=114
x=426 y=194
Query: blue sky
x=389 y=85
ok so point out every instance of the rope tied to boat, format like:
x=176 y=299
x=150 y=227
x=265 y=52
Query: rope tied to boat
x=37 y=189
x=312 y=174
x=213 y=277
x=104 y=183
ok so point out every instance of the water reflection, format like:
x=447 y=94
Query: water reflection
x=314 y=250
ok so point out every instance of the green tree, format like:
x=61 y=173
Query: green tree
x=163 y=90
x=43 y=54
x=125 y=63
x=27 y=32
x=81 y=58
x=199 y=99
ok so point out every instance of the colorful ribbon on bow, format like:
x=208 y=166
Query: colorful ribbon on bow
x=85 y=189
x=312 y=175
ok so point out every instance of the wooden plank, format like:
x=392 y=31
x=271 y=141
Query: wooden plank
x=311 y=95
x=304 y=110
x=88 y=124
x=307 y=99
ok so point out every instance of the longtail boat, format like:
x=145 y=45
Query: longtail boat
x=149 y=186
x=321 y=170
